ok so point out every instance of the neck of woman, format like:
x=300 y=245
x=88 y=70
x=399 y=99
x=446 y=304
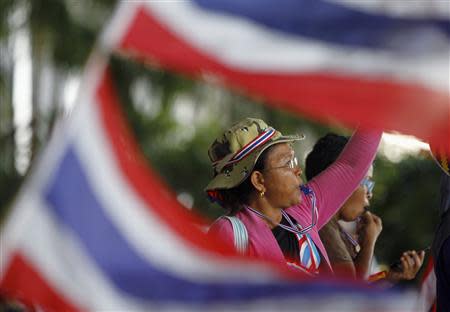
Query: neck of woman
x=272 y=214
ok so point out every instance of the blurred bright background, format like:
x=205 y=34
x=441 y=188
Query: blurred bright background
x=174 y=118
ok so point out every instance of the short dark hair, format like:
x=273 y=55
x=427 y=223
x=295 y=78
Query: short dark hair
x=234 y=199
x=326 y=150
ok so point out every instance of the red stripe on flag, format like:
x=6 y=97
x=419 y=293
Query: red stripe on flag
x=442 y=156
x=373 y=102
x=429 y=268
x=428 y=287
x=22 y=282
x=139 y=174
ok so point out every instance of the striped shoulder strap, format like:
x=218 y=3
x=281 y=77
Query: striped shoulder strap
x=240 y=234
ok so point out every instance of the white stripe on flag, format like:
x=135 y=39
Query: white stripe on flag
x=400 y=8
x=277 y=52
x=427 y=295
x=61 y=261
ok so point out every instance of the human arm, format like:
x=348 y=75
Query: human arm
x=369 y=228
x=368 y=231
x=338 y=252
x=411 y=261
x=335 y=184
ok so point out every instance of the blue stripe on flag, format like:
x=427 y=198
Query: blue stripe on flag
x=75 y=206
x=335 y=23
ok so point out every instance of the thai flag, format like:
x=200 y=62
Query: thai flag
x=93 y=228
x=427 y=295
x=378 y=63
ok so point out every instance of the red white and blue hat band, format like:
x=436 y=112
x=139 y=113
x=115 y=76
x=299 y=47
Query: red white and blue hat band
x=252 y=145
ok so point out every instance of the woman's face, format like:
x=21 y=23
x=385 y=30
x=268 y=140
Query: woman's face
x=355 y=204
x=280 y=181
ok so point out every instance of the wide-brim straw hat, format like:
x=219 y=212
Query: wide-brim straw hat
x=234 y=153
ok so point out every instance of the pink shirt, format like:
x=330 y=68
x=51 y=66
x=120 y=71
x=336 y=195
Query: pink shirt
x=332 y=188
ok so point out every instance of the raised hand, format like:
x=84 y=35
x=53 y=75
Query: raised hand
x=369 y=228
x=411 y=261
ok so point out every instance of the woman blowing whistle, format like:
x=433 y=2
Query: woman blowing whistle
x=256 y=178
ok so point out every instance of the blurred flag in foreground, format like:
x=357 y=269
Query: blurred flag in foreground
x=427 y=297
x=93 y=228
x=381 y=63
x=441 y=158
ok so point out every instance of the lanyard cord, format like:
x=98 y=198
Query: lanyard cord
x=350 y=238
x=292 y=228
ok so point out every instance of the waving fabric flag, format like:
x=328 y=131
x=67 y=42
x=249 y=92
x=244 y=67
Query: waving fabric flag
x=442 y=158
x=427 y=296
x=93 y=227
x=384 y=66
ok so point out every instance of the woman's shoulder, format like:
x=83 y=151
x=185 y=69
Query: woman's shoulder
x=332 y=227
x=221 y=226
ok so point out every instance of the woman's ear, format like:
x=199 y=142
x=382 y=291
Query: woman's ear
x=257 y=179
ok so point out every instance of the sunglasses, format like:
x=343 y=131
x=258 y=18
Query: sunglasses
x=368 y=183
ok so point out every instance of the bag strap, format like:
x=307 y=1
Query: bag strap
x=240 y=234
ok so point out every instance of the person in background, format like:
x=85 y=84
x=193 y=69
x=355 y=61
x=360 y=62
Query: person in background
x=256 y=178
x=351 y=257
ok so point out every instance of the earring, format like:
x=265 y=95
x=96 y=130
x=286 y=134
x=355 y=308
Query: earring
x=261 y=194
